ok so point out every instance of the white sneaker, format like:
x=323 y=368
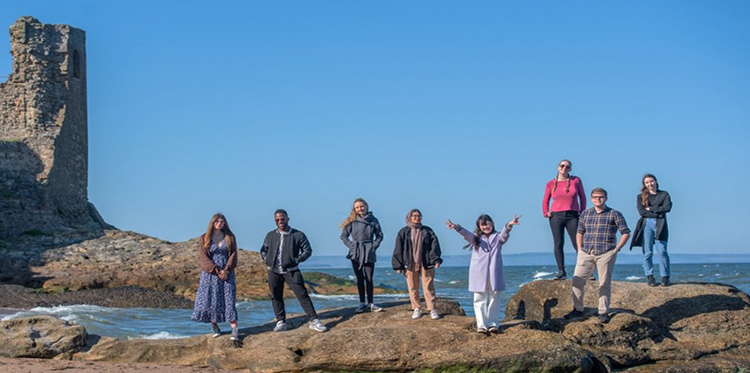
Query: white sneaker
x=362 y=308
x=417 y=313
x=280 y=326
x=434 y=314
x=374 y=308
x=317 y=326
x=217 y=331
x=235 y=335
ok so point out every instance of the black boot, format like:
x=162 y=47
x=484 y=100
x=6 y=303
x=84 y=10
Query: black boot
x=665 y=281
x=561 y=275
x=651 y=280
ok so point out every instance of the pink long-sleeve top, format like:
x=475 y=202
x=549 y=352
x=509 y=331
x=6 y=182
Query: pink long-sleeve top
x=574 y=199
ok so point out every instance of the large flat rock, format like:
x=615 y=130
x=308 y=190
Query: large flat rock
x=40 y=337
x=701 y=323
x=683 y=328
x=389 y=340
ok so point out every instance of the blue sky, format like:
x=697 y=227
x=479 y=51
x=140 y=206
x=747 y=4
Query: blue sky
x=456 y=108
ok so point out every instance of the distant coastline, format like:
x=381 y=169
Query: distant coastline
x=540 y=259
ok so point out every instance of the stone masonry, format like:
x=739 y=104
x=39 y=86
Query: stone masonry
x=44 y=132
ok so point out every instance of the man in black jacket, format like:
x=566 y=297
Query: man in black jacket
x=283 y=250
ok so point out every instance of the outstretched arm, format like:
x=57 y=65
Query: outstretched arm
x=505 y=233
x=465 y=233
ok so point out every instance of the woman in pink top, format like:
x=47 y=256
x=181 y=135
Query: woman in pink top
x=568 y=200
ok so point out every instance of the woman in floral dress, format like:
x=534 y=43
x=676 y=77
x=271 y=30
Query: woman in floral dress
x=217 y=292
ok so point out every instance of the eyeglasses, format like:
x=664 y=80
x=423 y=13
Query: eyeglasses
x=279 y=220
x=565 y=166
x=598 y=197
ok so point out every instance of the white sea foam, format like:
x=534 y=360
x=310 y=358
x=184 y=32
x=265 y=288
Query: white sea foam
x=633 y=278
x=159 y=335
x=542 y=274
x=77 y=308
x=396 y=295
x=67 y=313
x=454 y=282
x=335 y=297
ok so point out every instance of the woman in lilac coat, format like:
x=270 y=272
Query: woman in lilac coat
x=486 y=278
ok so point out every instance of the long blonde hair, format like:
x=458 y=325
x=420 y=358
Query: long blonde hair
x=228 y=235
x=353 y=215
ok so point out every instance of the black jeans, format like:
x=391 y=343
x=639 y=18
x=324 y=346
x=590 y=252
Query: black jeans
x=297 y=284
x=558 y=223
x=364 y=280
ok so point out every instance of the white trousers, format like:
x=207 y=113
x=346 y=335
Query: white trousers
x=487 y=308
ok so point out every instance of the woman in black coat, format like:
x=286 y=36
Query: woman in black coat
x=651 y=232
x=417 y=255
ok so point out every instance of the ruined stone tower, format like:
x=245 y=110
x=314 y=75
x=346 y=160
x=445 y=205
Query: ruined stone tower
x=44 y=132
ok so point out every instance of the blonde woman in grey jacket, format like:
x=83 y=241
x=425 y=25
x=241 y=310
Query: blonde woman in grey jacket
x=361 y=233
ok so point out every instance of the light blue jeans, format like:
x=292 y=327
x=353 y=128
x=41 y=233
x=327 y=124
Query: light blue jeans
x=649 y=243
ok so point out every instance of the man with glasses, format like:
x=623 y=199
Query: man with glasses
x=596 y=237
x=283 y=250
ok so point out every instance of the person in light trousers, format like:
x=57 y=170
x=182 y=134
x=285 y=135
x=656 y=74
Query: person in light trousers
x=486 y=277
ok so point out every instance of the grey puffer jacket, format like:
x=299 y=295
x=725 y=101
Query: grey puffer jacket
x=366 y=237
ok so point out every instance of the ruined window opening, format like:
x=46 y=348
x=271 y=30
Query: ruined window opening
x=76 y=65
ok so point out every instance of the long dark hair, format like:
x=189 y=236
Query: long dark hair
x=228 y=235
x=484 y=218
x=567 y=186
x=644 y=190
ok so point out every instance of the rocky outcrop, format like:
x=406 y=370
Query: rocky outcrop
x=683 y=328
x=388 y=340
x=688 y=325
x=40 y=337
x=19 y=297
x=111 y=259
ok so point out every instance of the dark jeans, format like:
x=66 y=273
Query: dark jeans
x=297 y=284
x=558 y=223
x=364 y=280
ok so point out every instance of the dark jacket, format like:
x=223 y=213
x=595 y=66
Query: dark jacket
x=366 y=237
x=402 y=253
x=295 y=251
x=661 y=204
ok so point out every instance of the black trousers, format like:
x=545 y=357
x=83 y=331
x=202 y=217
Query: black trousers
x=364 y=280
x=558 y=223
x=297 y=284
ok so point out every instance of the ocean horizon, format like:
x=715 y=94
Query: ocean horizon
x=534 y=258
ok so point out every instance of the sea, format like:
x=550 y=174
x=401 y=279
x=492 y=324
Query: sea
x=451 y=281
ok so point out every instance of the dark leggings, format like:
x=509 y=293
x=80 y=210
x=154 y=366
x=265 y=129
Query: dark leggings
x=558 y=223
x=364 y=280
